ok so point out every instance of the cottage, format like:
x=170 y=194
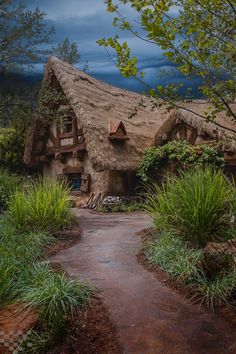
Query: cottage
x=95 y=144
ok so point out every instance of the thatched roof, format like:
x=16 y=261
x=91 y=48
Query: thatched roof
x=97 y=105
x=222 y=129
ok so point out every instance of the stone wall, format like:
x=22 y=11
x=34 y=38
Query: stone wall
x=98 y=180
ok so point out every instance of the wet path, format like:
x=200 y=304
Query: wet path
x=149 y=317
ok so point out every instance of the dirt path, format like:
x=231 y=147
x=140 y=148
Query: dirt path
x=149 y=317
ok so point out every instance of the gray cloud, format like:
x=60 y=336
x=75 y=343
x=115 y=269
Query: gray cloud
x=86 y=21
x=67 y=8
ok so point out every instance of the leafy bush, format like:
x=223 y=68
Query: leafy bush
x=180 y=152
x=44 y=206
x=8 y=185
x=196 y=205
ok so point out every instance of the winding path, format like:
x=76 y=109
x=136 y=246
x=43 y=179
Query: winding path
x=149 y=317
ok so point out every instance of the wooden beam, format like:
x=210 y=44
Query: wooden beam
x=70 y=169
x=75 y=130
x=193 y=136
x=44 y=158
x=182 y=132
x=54 y=140
x=64 y=149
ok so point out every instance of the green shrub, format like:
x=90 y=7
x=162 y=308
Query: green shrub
x=18 y=251
x=54 y=295
x=186 y=265
x=40 y=342
x=196 y=205
x=25 y=247
x=44 y=206
x=181 y=153
x=8 y=185
x=217 y=290
x=9 y=287
x=174 y=256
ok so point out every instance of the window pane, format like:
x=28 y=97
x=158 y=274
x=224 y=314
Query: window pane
x=66 y=125
x=75 y=181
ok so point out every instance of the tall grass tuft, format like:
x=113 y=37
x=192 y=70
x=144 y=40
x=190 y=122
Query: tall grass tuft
x=217 y=290
x=9 y=272
x=18 y=251
x=8 y=185
x=174 y=256
x=54 y=295
x=45 y=206
x=196 y=205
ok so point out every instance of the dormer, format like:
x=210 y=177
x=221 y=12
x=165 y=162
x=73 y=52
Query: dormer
x=117 y=131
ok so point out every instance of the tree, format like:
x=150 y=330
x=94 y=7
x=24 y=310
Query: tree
x=198 y=36
x=15 y=119
x=67 y=51
x=22 y=33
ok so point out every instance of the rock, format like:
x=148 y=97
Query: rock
x=114 y=200
x=219 y=256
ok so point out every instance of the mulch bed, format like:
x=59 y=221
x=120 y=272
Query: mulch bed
x=15 y=321
x=65 y=239
x=227 y=312
x=91 y=333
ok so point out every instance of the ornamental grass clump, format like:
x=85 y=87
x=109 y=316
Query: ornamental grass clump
x=25 y=229
x=174 y=256
x=188 y=211
x=9 y=183
x=45 y=206
x=197 y=205
x=17 y=251
x=54 y=295
x=218 y=289
x=9 y=285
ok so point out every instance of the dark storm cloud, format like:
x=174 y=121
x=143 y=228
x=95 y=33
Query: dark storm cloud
x=86 y=21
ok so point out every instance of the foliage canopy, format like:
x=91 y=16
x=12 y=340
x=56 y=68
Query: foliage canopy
x=197 y=36
x=67 y=51
x=22 y=33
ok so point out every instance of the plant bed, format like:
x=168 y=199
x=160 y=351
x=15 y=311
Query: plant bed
x=64 y=239
x=29 y=231
x=90 y=332
x=227 y=311
x=15 y=322
x=193 y=218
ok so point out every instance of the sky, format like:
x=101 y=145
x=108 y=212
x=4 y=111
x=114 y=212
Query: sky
x=86 y=21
